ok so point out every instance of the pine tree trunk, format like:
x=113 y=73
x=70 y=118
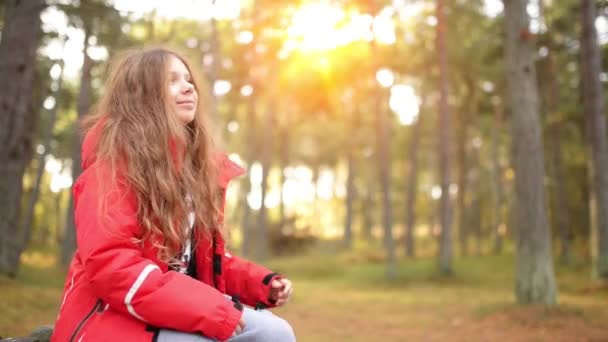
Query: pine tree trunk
x=214 y=43
x=445 y=247
x=474 y=220
x=561 y=212
x=316 y=217
x=412 y=189
x=498 y=197
x=559 y=207
x=84 y=102
x=593 y=104
x=262 y=235
x=463 y=234
x=384 y=175
x=252 y=137
x=20 y=36
x=467 y=114
x=48 y=137
x=347 y=239
x=284 y=153
x=534 y=275
x=368 y=212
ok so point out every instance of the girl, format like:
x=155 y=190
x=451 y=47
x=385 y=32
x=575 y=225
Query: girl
x=151 y=263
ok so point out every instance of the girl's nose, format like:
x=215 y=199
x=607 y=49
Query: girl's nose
x=188 y=88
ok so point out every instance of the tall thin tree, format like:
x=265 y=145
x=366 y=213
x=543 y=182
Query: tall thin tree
x=593 y=104
x=20 y=37
x=534 y=275
x=445 y=210
x=498 y=193
x=412 y=185
x=28 y=219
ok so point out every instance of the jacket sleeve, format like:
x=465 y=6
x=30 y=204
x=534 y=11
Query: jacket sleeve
x=248 y=281
x=122 y=277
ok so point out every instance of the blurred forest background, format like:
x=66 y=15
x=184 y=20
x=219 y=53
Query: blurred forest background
x=416 y=166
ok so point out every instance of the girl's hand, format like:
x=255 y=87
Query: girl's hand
x=239 y=328
x=280 y=291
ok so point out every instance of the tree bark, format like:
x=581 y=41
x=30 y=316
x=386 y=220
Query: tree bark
x=412 y=189
x=48 y=138
x=463 y=234
x=467 y=113
x=347 y=239
x=498 y=197
x=252 y=137
x=593 y=104
x=284 y=158
x=215 y=47
x=368 y=212
x=84 y=102
x=262 y=235
x=445 y=247
x=534 y=275
x=20 y=37
x=384 y=174
x=561 y=210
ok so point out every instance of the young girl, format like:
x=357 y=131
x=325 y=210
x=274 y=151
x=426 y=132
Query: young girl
x=151 y=264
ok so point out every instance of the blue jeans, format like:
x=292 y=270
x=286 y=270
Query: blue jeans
x=260 y=326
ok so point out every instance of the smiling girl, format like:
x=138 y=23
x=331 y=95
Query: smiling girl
x=151 y=262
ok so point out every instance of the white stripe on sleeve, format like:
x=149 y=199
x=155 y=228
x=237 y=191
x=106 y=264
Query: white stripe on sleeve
x=133 y=290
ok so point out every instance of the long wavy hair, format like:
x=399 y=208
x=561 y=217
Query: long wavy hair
x=170 y=167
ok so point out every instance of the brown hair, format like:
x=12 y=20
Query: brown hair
x=159 y=158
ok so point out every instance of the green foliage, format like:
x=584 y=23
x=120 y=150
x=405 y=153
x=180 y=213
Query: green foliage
x=323 y=103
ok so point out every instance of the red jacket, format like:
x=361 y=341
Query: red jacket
x=117 y=290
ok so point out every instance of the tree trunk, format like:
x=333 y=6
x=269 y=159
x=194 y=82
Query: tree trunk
x=474 y=219
x=561 y=211
x=412 y=188
x=384 y=174
x=467 y=113
x=20 y=36
x=534 y=275
x=316 y=216
x=498 y=197
x=48 y=138
x=593 y=104
x=84 y=102
x=284 y=157
x=558 y=200
x=347 y=239
x=262 y=235
x=445 y=249
x=463 y=235
x=368 y=212
x=252 y=137
x=214 y=43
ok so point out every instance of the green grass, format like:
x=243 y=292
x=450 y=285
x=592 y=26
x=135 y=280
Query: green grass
x=345 y=297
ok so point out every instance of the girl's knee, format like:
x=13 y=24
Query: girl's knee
x=277 y=330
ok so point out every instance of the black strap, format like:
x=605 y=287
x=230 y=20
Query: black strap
x=217 y=264
x=213 y=251
x=260 y=306
x=268 y=277
x=191 y=269
x=237 y=303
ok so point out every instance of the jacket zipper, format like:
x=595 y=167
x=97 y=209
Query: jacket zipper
x=213 y=250
x=85 y=319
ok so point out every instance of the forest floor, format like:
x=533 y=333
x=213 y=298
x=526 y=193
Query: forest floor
x=344 y=297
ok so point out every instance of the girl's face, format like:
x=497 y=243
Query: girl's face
x=183 y=98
